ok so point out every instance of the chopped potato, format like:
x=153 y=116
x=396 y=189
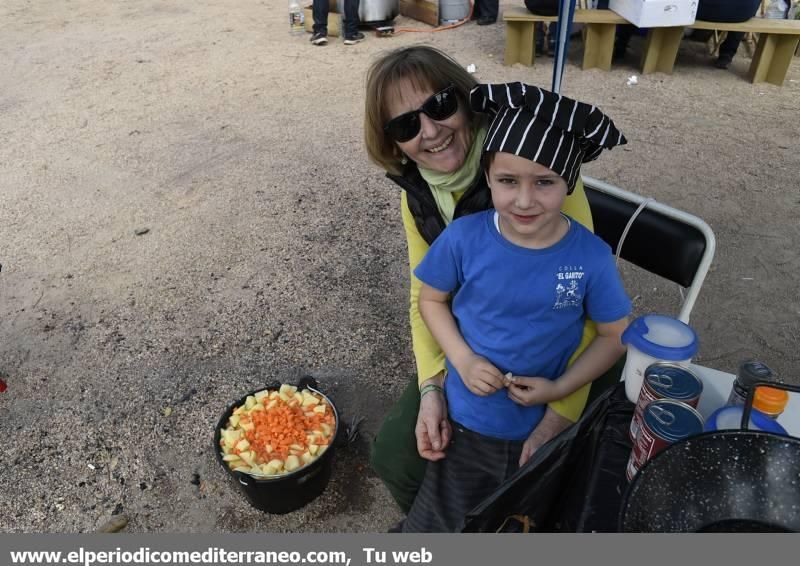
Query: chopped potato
x=292 y=463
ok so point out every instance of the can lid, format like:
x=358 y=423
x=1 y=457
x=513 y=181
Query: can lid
x=770 y=400
x=672 y=420
x=673 y=382
x=662 y=337
x=752 y=371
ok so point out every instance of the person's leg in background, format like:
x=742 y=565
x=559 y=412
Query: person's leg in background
x=728 y=48
x=487 y=11
x=351 y=33
x=621 y=40
x=551 y=38
x=732 y=11
x=542 y=31
x=543 y=8
x=319 y=11
x=622 y=37
x=538 y=37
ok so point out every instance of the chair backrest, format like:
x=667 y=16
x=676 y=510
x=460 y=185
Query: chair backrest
x=663 y=240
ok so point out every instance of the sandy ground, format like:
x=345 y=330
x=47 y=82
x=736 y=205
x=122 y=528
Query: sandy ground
x=275 y=248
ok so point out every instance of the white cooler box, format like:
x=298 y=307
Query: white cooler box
x=656 y=13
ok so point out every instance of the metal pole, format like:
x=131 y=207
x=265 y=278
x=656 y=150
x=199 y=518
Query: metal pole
x=566 y=13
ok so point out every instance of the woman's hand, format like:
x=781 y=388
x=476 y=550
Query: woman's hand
x=433 y=430
x=529 y=391
x=551 y=425
x=479 y=375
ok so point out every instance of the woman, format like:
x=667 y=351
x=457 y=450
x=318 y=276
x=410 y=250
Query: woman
x=419 y=128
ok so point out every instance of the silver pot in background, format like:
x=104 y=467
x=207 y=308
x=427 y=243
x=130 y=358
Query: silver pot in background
x=378 y=10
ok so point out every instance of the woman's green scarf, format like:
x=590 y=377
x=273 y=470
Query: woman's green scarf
x=443 y=185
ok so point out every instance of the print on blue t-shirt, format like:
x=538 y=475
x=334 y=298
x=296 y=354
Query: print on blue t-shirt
x=521 y=309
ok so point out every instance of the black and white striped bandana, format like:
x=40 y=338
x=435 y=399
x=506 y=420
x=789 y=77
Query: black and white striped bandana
x=550 y=129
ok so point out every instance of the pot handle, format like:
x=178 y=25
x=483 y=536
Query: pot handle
x=307 y=381
x=244 y=479
x=751 y=395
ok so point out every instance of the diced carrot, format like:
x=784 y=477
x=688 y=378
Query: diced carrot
x=286 y=427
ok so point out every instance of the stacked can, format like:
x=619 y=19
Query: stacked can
x=664 y=422
x=665 y=381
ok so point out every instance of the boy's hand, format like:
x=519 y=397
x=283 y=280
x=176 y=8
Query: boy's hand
x=529 y=391
x=480 y=376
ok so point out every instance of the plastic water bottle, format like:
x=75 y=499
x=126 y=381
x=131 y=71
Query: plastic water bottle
x=296 y=18
x=776 y=10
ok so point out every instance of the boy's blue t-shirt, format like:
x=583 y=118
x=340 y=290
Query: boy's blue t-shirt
x=521 y=309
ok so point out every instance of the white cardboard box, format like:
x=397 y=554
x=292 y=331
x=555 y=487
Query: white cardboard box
x=656 y=13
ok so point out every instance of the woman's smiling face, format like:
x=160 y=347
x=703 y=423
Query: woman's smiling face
x=439 y=146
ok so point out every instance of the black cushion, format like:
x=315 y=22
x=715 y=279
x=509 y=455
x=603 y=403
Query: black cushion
x=655 y=242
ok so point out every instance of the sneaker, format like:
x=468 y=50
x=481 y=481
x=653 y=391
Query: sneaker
x=486 y=21
x=353 y=39
x=319 y=38
x=723 y=62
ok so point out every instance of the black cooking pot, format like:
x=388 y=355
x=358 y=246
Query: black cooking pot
x=722 y=481
x=287 y=492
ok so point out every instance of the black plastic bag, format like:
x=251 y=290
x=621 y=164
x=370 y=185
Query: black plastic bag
x=574 y=483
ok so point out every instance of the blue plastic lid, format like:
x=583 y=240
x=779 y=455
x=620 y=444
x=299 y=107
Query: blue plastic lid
x=731 y=418
x=662 y=337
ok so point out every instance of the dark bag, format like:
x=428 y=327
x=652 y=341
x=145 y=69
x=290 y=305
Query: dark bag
x=574 y=483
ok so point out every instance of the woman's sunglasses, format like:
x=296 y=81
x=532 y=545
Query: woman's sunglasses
x=438 y=107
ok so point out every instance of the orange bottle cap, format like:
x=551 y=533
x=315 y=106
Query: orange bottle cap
x=770 y=400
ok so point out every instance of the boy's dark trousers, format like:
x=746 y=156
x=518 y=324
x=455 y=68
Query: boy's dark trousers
x=394 y=454
x=350 y=20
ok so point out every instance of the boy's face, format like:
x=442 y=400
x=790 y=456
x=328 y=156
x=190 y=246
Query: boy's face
x=528 y=198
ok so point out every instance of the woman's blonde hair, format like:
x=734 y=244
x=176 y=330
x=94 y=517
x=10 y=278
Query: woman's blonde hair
x=425 y=68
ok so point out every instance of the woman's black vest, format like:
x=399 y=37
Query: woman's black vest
x=423 y=207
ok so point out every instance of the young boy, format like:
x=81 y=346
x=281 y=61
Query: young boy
x=522 y=278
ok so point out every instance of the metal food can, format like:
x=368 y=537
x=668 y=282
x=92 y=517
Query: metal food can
x=665 y=381
x=664 y=422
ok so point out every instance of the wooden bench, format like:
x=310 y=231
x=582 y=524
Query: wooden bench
x=777 y=41
x=597 y=51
